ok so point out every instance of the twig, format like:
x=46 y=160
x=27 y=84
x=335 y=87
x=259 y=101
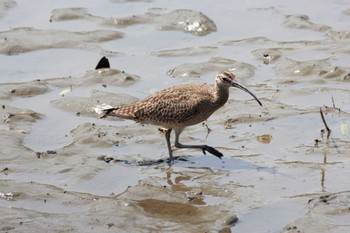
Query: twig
x=324 y=122
x=328 y=135
x=208 y=130
x=333 y=103
x=335 y=108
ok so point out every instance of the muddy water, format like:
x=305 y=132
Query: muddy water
x=64 y=169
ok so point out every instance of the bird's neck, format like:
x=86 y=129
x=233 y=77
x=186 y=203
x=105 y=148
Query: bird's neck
x=221 y=95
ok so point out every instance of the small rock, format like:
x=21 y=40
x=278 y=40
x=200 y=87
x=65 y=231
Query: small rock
x=231 y=220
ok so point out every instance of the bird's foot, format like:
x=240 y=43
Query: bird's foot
x=212 y=151
x=170 y=161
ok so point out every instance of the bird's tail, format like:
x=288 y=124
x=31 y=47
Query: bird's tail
x=122 y=111
x=107 y=111
x=104 y=110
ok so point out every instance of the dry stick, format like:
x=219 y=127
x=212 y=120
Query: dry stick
x=334 y=105
x=324 y=121
x=328 y=131
x=208 y=130
x=333 y=102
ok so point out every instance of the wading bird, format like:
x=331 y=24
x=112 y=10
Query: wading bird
x=180 y=106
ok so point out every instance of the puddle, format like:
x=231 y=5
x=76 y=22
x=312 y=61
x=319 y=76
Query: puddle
x=110 y=181
x=270 y=218
x=211 y=162
x=51 y=207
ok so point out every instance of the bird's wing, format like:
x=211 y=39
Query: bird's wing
x=172 y=104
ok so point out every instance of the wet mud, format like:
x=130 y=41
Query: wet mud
x=26 y=39
x=64 y=169
x=182 y=19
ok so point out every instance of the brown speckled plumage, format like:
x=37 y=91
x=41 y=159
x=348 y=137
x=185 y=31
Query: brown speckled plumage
x=178 y=106
x=181 y=106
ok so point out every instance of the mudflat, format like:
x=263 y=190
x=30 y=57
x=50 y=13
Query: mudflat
x=63 y=169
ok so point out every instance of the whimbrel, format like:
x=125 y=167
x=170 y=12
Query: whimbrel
x=181 y=106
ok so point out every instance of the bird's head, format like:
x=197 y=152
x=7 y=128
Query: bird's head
x=227 y=79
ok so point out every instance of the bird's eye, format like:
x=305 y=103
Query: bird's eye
x=225 y=79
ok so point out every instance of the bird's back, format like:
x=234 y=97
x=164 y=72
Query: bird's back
x=181 y=105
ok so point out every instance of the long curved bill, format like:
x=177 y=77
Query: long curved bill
x=235 y=84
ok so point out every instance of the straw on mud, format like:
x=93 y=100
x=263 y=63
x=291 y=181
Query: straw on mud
x=333 y=102
x=324 y=121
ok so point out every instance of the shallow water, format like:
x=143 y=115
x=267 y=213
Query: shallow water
x=279 y=166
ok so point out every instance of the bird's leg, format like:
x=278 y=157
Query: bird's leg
x=204 y=148
x=167 y=137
